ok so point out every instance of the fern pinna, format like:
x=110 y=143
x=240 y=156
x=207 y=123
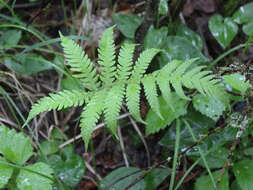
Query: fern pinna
x=107 y=89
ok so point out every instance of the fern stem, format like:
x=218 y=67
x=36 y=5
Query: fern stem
x=201 y=153
x=174 y=166
x=227 y=53
x=192 y=166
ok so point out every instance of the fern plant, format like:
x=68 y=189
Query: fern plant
x=106 y=90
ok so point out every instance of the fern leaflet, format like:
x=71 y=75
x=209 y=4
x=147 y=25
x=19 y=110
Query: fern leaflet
x=80 y=63
x=106 y=54
x=125 y=61
x=113 y=102
x=90 y=115
x=62 y=99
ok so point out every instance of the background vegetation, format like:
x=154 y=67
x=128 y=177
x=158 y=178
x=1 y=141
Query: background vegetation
x=185 y=134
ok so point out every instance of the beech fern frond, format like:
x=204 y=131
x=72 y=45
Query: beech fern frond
x=109 y=88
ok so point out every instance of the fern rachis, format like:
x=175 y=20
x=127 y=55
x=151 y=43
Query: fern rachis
x=108 y=89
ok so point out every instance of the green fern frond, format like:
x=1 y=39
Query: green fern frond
x=125 y=61
x=143 y=62
x=113 y=102
x=61 y=100
x=149 y=83
x=80 y=63
x=179 y=75
x=133 y=99
x=164 y=86
x=90 y=115
x=106 y=54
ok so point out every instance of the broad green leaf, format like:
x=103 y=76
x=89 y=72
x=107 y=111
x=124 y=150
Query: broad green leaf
x=155 y=123
x=127 y=24
x=237 y=82
x=200 y=125
x=10 y=38
x=70 y=84
x=215 y=159
x=16 y=147
x=27 y=180
x=243 y=173
x=173 y=50
x=235 y=186
x=204 y=182
x=224 y=30
x=248 y=151
x=69 y=168
x=245 y=16
x=49 y=147
x=163 y=7
x=155 y=38
x=223 y=136
x=27 y=64
x=122 y=177
x=191 y=36
x=208 y=106
x=5 y=172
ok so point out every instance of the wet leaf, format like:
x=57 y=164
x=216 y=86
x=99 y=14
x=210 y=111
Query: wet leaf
x=215 y=159
x=173 y=50
x=49 y=147
x=155 y=38
x=155 y=123
x=163 y=7
x=245 y=16
x=10 y=38
x=27 y=180
x=223 y=136
x=122 y=177
x=127 y=23
x=204 y=182
x=208 y=106
x=224 y=30
x=70 y=169
x=200 y=125
x=16 y=147
x=70 y=84
x=191 y=36
x=5 y=172
x=27 y=64
x=243 y=173
x=237 y=82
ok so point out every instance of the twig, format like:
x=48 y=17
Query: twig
x=141 y=136
x=122 y=147
x=90 y=168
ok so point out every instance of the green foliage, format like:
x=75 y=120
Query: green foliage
x=116 y=82
x=17 y=149
x=205 y=181
x=209 y=106
x=169 y=114
x=224 y=30
x=15 y=152
x=150 y=181
x=244 y=16
x=127 y=23
x=27 y=180
x=243 y=173
x=68 y=166
x=237 y=82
